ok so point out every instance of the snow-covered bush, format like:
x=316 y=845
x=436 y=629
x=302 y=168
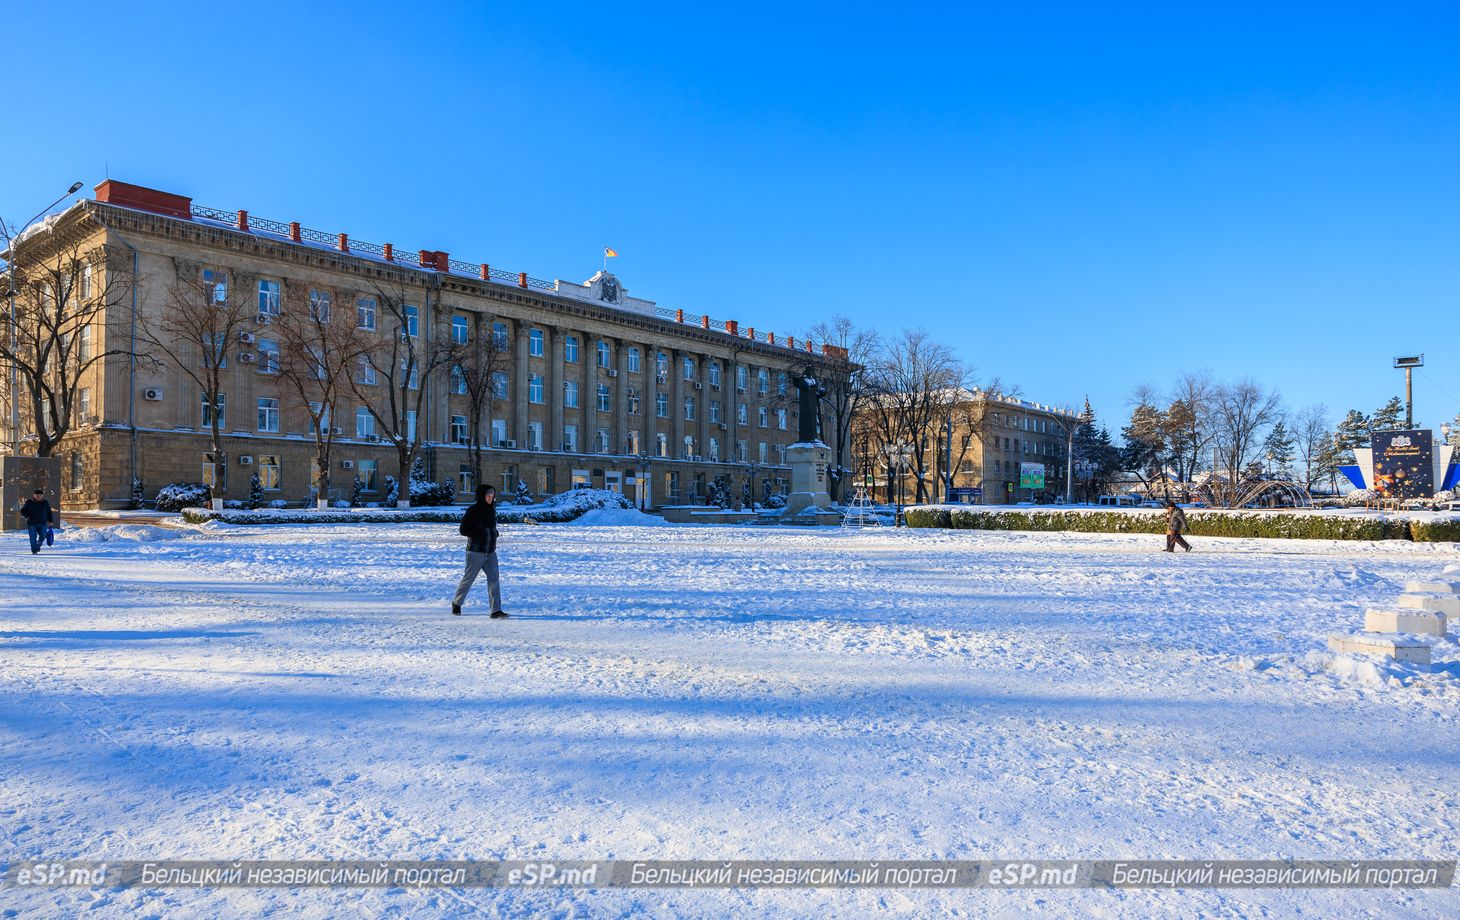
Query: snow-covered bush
x=775 y=500
x=1445 y=495
x=718 y=493
x=1359 y=497
x=1440 y=530
x=1205 y=523
x=340 y=503
x=138 y=497
x=523 y=495
x=277 y=504
x=392 y=491
x=175 y=496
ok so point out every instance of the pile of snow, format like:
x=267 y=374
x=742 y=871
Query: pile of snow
x=134 y=533
x=620 y=517
x=587 y=499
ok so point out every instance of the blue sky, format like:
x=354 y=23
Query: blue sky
x=1078 y=201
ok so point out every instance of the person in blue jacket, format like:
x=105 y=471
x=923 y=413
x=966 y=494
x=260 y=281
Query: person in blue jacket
x=38 y=518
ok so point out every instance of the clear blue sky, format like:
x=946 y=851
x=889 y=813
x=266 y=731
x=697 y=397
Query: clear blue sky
x=1078 y=201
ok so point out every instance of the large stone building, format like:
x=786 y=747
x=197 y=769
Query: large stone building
x=1003 y=450
x=596 y=387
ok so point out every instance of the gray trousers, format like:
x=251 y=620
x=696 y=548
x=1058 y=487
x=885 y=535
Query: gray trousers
x=476 y=562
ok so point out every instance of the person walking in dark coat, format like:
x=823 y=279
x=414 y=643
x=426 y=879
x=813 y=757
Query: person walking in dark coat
x=1175 y=527
x=38 y=517
x=479 y=526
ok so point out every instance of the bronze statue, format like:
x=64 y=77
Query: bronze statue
x=810 y=412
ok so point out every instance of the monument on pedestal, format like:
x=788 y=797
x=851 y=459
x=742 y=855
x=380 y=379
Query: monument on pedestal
x=809 y=459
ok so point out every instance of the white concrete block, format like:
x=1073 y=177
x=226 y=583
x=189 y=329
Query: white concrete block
x=1448 y=604
x=1427 y=586
x=1452 y=569
x=1383 y=645
x=1405 y=620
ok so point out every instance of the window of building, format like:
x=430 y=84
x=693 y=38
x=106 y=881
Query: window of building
x=742 y=413
x=466 y=480
x=661 y=405
x=765 y=453
x=83 y=343
x=86 y=281
x=365 y=471
x=689 y=446
x=581 y=479
x=269 y=472
x=570 y=438
x=499 y=385
x=633 y=401
x=219 y=407
x=605 y=399
x=633 y=360
x=714 y=410
x=570 y=349
x=410 y=424
x=689 y=367
x=268 y=414
x=77 y=477
x=268 y=356
x=742 y=451
x=781 y=419
x=661 y=444
x=509 y=479
x=661 y=365
x=781 y=454
x=268 y=297
x=458 y=380
x=215 y=351
x=604 y=354
x=781 y=386
x=715 y=374
x=499 y=432
x=83 y=405
x=412 y=316
x=534 y=388
x=601 y=441
x=671 y=485
x=741 y=372
x=319 y=305
x=365 y=372
x=631 y=441
x=689 y=408
x=460 y=331
x=500 y=338
x=458 y=430
x=534 y=343
x=364 y=423
x=534 y=435
x=764 y=415
x=215 y=282
x=714 y=450
x=321 y=412
x=570 y=394
x=365 y=313
x=762 y=381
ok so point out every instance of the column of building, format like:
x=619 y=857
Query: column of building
x=552 y=437
x=521 y=333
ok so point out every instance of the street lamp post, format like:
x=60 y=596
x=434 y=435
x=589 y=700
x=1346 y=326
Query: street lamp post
x=10 y=242
x=898 y=456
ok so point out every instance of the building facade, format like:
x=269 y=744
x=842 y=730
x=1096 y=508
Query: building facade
x=594 y=388
x=1002 y=450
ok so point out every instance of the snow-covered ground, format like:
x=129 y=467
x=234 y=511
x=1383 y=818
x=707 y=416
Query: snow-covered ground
x=709 y=692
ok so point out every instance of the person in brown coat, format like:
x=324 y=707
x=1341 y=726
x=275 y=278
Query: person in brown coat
x=1175 y=527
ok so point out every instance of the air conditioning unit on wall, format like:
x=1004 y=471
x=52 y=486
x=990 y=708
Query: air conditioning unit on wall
x=152 y=394
x=347 y=464
x=245 y=460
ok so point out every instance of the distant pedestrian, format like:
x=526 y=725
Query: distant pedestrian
x=38 y=519
x=479 y=526
x=1175 y=527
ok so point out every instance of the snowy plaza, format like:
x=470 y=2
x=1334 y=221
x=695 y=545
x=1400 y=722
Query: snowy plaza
x=694 y=692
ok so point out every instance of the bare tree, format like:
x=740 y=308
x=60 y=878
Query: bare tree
x=1312 y=433
x=319 y=349
x=399 y=365
x=475 y=364
x=1189 y=417
x=202 y=321
x=846 y=382
x=915 y=383
x=63 y=291
x=972 y=419
x=1243 y=412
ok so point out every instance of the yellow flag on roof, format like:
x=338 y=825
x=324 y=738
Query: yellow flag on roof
x=609 y=253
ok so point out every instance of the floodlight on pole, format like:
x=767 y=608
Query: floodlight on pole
x=1409 y=363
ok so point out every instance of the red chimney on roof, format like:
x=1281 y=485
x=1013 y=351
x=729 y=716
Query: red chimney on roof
x=125 y=195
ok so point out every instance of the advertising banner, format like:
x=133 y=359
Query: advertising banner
x=1404 y=464
x=1031 y=475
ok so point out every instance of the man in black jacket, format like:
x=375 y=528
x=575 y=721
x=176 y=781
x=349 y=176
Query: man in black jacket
x=479 y=526
x=37 y=514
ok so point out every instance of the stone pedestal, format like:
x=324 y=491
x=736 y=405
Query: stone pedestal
x=1405 y=620
x=809 y=461
x=1448 y=604
x=20 y=476
x=1399 y=647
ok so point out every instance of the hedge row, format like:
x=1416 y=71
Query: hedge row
x=1200 y=524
